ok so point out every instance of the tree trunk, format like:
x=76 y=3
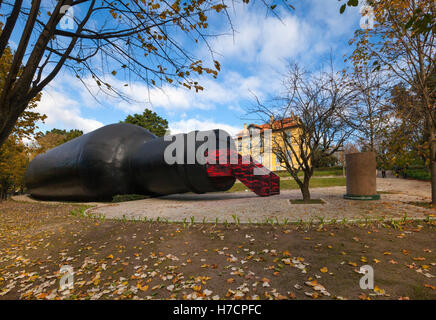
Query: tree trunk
x=10 y=114
x=432 y=143
x=306 y=193
x=431 y=132
x=305 y=190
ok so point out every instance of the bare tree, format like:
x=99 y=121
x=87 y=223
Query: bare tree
x=317 y=104
x=371 y=112
x=148 y=40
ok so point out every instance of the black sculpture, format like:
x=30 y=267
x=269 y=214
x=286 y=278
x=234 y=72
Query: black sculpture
x=128 y=159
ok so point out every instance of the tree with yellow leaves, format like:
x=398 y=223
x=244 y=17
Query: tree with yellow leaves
x=14 y=154
x=402 y=44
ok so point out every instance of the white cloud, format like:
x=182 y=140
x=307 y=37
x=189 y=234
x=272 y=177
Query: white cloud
x=64 y=112
x=237 y=109
x=187 y=125
x=253 y=61
x=263 y=40
x=263 y=44
x=229 y=89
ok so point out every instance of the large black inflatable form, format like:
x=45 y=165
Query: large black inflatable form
x=128 y=159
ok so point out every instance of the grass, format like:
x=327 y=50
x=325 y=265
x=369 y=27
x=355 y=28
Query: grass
x=79 y=211
x=311 y=201
x=419 y=174
x=386 y=192
x=291 y=184
x=320 y=172
x=128 y=197
x=422 y=204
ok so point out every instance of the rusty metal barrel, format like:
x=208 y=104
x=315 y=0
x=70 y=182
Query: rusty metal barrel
x=361 y=176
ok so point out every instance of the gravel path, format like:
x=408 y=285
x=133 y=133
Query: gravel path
x=247 y=207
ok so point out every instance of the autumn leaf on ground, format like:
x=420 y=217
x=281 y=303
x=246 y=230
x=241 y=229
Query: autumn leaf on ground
x=419 y=258
x=207 y=292
x=363 y=296
x=378 y=290
x=142 y=288
x=324 y=270
x=313 y=295
x=196 y=288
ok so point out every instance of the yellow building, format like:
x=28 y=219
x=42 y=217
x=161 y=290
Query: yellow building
x=263 y=141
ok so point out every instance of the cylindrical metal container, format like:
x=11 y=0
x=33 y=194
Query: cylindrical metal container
x=361 y=176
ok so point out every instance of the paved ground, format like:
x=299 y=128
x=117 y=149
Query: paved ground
x=246 y=207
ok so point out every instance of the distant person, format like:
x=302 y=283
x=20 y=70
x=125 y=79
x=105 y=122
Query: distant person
x=405 y=171
x=383 y=170
x=397 y=170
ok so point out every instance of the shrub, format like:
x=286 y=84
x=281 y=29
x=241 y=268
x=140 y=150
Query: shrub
x=128 y=197
x=419 y=174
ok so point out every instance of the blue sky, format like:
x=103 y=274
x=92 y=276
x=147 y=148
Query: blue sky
x=253 y=60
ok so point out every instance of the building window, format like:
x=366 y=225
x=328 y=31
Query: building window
x=278 y=166
x=239 y=145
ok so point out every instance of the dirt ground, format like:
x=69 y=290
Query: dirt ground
x=115 y=259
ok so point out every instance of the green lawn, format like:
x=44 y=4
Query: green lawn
x=321 y=172
x=419 y=174
x=291 y=184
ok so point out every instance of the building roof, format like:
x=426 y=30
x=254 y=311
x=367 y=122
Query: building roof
x=284 y=123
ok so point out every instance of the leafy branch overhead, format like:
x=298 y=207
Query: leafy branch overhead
x=139 y=40
x=419 y=21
